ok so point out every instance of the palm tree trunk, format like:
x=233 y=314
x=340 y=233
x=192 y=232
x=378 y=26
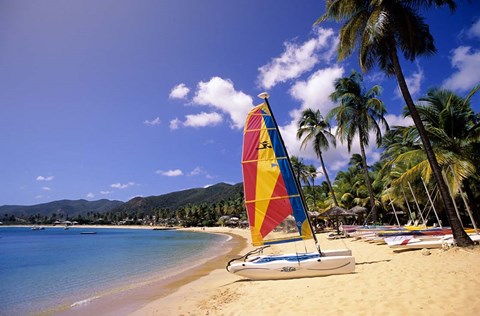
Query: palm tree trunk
x=461 y=237
x=328 y=180
x=367 y=182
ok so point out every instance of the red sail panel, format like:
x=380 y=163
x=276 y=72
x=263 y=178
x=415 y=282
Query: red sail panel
x=267 y=200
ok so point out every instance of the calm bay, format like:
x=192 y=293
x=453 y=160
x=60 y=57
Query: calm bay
x=53 y=269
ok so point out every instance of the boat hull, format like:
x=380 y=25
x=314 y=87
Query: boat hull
x=420 y=242
x=291 y=266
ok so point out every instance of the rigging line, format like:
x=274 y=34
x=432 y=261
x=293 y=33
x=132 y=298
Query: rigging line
x=344 y=243
x=453 y=198
x=296 y=253
x=430 y=199
x=408 y=206
x=463 y=198
x=416 y=203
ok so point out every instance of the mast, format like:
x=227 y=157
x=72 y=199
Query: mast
x=264 y=96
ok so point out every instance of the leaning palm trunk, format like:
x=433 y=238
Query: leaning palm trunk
x=459 y=234
x=367 y=181
x=328 y=180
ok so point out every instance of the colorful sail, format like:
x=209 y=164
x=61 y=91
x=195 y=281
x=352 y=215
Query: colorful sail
x=271 y=192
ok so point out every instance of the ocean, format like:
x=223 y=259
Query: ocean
x=43 y=270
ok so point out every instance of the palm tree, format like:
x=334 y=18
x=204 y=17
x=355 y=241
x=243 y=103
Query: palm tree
x=358 y=113
x=379 y=28
x=317 y=130
x=300 y=170
x=452 y=127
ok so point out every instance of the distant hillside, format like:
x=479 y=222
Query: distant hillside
x=69 y=208
x=175 y=200
x=170 y=201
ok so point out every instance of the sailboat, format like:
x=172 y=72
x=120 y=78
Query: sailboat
x=272 y=195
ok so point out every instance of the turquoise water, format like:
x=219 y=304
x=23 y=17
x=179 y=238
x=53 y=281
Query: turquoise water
x=42 y=269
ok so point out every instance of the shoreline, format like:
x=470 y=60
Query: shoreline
x=98 y=226
x=132 y=298
x=386 y=282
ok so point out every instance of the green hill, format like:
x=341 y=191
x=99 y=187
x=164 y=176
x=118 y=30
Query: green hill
x=170 y=201
x=65 y=208
x=175 y=200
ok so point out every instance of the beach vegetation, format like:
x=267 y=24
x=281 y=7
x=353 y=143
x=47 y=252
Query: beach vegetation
x=402 y=179
x=380 y=30
x=358 y=112
x=314 y=129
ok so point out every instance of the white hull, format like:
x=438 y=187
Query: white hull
x=420 y=242
x=290 y=266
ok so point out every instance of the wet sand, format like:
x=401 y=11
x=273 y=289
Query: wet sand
x=131 y=298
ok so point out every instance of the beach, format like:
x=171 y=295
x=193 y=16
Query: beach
x=385 y=282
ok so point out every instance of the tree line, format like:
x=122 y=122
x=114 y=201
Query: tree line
x=203 y=214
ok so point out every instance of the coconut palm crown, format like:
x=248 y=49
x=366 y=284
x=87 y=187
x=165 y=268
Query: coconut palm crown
x=381 y=28
x=316 y=130
x=359 y=111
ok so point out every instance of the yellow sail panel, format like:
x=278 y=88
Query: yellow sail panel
x=271 y=194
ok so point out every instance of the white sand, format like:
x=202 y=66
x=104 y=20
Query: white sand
x=384 y=283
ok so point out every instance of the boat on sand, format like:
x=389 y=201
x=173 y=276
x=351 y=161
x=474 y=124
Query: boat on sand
x=420 y=242
x=272 y=194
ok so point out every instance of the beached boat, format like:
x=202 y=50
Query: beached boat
x=272 y=195
x=420 y=242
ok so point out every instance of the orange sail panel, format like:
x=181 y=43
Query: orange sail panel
x=271 y=193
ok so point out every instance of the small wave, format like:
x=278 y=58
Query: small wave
x=84 y=302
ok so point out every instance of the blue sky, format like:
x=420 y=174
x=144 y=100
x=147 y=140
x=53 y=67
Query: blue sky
x=116 y=99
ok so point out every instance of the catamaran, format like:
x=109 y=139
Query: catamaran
x=273 y=194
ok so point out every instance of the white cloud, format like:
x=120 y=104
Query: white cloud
x=180 y=91
x=466 y=61
x=375 y=77
x=122 y=186
x=314 y=92
x=298 y=59
x=474 y=31
x=200 y=171
x=170 y=173
x=197 y=171
x=90 y=195
x=106 y=192
x=203 y=119
x=414 y=83
x=46 y=188
x=398 y=120
x=175 y=124
x=155 y=121
x=220 y=94
x=42 y=178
